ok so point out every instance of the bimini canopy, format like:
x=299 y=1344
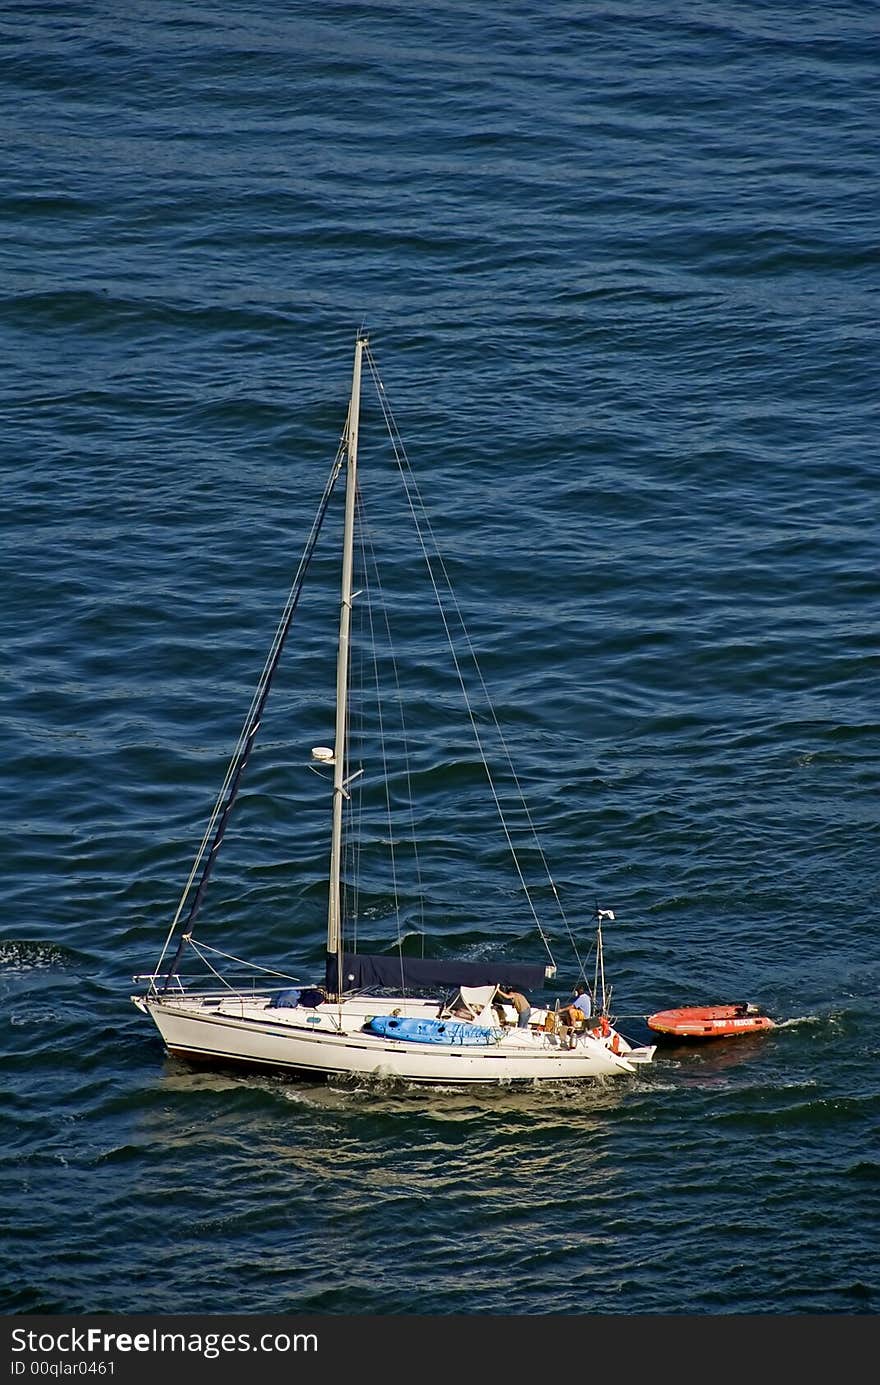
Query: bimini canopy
x=477 y=1000
x=360 y=971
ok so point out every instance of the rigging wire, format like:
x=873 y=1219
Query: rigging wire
x=380 y=727
x=216 y=828
x=411 y=489
x=200 y=948
x=368 y=549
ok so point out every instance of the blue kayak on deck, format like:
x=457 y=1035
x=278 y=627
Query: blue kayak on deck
x=431 y=1031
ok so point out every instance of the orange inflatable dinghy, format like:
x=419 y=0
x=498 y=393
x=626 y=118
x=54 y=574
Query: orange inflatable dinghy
x=710 y=1021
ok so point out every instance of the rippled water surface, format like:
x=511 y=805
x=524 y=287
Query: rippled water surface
x=619 y=270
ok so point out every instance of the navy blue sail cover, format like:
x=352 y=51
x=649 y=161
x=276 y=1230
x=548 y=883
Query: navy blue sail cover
x=360 y=971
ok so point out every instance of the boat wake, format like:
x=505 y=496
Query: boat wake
x=801 y=1021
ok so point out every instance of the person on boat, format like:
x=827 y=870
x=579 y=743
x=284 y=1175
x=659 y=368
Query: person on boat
x=575 y=1014
x=462 y=1011
x=582 y=1000
x=520 y=1004
x=578 y=1010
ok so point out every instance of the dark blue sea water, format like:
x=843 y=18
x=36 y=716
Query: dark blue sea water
x=619 y=267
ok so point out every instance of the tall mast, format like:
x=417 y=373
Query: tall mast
x=340 y=756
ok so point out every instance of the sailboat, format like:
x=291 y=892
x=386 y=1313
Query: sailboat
x=382 y=1014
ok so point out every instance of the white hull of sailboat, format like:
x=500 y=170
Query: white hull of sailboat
x=192 y=1029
